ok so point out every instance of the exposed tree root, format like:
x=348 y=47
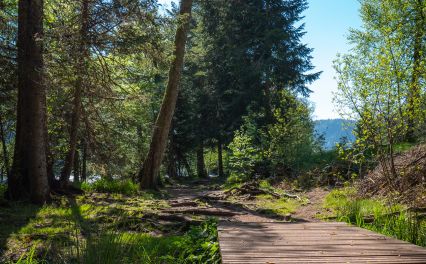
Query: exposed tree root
x=252 y=189
x=201 y=211
x=183 y=203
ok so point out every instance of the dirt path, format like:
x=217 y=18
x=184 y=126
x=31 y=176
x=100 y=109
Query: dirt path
x=206 y=201
x=313 y=208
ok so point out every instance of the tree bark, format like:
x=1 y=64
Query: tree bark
x=220 y=159
x=151 y=167
x=414 y=90
x=201 y=167
x=81 y=72
x=29 y=173
x=84 y=162
x=171 y=160
x=4 y=148
x=76 y=166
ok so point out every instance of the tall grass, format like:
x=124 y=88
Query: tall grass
x=199 y=245
x=378 y=216
x=126 y=187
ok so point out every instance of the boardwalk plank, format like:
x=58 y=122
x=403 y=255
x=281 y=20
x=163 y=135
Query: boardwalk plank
x=311 y=243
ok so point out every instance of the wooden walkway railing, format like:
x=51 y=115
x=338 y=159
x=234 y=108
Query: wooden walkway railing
x=311 y=243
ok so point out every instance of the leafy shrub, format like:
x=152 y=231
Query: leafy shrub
x=247 y=154
x=203 y=246
x=284 y=147
x=126 y=187
x=3 y=188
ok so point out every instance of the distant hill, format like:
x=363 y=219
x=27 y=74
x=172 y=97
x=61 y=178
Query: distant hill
x=333 y=130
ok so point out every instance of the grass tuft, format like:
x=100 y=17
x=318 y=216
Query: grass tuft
x=126 y=187
x=376 y=215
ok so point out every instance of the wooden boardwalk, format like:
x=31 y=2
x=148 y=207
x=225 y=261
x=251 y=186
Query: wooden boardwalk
x=311 y=243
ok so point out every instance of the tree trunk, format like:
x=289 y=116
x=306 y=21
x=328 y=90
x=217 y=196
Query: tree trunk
x=84 y=162
x=186 y=166
x=220 y=159
x=50 y=160
x=5 y=152
x=201 y=167
x=76 y=166
x=414 y=90
x=29 y=173
x=171 y=160
x=81 y=72
x=151 y=167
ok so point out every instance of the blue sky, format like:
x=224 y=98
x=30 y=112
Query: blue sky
x=327 y=24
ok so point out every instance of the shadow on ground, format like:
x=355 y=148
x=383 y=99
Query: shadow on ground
x=13 y=217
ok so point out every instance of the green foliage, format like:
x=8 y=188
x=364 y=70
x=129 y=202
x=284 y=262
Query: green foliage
x=379 y=80
x=292 y=144
x=247 y=154
x=198 y=245
x=403 y=147
x=284 y=147
x=30 y=258
x=84 y=230
x=203 y=246
x=378 y=216
x=3 y=188
x=269 y=205
x=103 y=185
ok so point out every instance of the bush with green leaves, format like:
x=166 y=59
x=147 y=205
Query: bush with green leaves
x=245 y=157
x=284 y=146
x=292 y=143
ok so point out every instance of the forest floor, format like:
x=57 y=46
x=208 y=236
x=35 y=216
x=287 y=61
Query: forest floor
x=63 y=229
x=307 y=207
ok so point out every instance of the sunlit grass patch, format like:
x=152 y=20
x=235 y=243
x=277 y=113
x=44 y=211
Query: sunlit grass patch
x=269 y=204
x=101 y=228
x=377 y=215
x=198 y=245
x=126 y=187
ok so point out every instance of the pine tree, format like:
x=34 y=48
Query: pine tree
x=29 y=173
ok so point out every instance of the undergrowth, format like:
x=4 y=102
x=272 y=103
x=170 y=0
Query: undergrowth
x=101 y=228
x=377 y=215
x=199 y=245
x=126 y=187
